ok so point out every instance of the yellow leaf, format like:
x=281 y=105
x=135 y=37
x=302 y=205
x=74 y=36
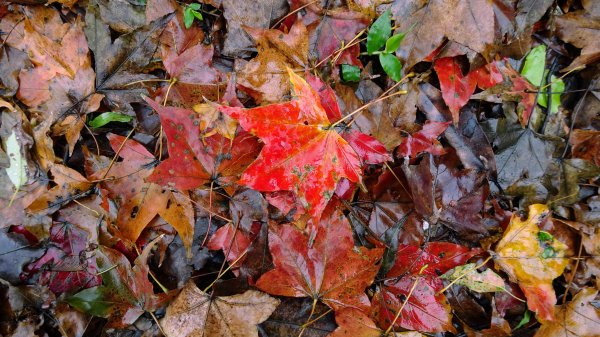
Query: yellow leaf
x=533 y=260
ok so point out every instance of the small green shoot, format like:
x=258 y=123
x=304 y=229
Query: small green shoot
x=190 y=13
x=380 y=36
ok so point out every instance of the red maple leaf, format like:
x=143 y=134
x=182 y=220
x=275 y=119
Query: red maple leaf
x=418 y=269
x=456 y=88
x=331 y=269
x=194 y=161
x=424 y=140
x=302 y=153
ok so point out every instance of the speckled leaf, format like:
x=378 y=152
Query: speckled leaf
x=481 y=282
x=301 y=154
x=532 y=260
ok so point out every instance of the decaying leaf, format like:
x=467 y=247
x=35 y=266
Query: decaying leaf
x=196 y=313
x=577 y=318
x=532 y=260
x=481 y=282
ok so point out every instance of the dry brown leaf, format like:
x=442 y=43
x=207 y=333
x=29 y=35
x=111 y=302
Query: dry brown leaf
x=195 y=314
x=578 y=318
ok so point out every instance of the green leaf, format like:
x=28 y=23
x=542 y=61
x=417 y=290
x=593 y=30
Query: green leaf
x=545 y=236
x=379 y=32
x=198 y=15
x=548 y=252
x=350 y=73
x=92 y=301
x=556 y=88
x=391 y=65
x=393 y=43
x=17 y=172
x=195 y=6
x=481 y=282
x=188 y=17
x=535 y=63
x=526 y=318
x=107 y=117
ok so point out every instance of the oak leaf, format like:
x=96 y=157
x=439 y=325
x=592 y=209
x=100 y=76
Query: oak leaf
x=331 y=270
x=301 y=153
x=196 y=313
x=533 y=260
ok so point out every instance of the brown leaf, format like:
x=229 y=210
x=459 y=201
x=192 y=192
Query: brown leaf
x=578 y=318
x=470 y=23
x=582 y=30
x=195 y=313
x=258 y=14
x=265 y=77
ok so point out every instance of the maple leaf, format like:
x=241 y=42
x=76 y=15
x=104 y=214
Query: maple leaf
x=369 y=149
x=66 y=271
x=456 y=88
x=424 y=140
x=354 y=323
x=331 y=270
x=140 y=202
x=578 y=318
x=426 y=309
x=532 y=260
x=125 y=293
x=196 y=313
x=264 y=77
x=194 y=161
x=301 y=153
x=233 y=242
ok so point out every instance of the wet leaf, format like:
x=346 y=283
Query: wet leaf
x=577 y=318
x=379 y=32
x=125 y=293
x=330 y=270
x=481 y=282
x=391 y=65
x=350 y=73
x=196 y=313
x=352 y=322
x=424 y=140
x=300 y=154
x=535 y=64
x=521 y=256
x=108 y=117
x=581 y=29
x=456 y=88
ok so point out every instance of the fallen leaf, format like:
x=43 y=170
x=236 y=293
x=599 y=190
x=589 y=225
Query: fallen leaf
x=456 y=88
x=140 y=201
x=532 y=261
x=424 y=140
x=581 y=29
x=331 y=270
x=586 y=145
x=259 y=14
x=577 y=318
x=428 y=25
x=125 y=293
x=265 y=77
x=67 y=265
x=196 y=313
x=425 y=309
x=354 y=323
x=467 y=275
x=194 y=161
x=121 y=61
x=301 y=154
